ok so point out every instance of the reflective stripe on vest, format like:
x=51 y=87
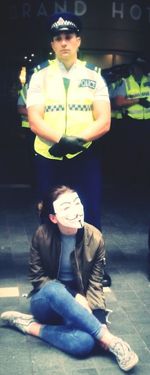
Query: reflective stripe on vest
x=24 y=122
x=67 y=111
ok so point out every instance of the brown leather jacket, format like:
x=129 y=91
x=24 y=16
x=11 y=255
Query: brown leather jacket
x=87 y=260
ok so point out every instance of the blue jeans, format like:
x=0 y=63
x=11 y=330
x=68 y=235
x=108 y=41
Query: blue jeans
x=76 y=330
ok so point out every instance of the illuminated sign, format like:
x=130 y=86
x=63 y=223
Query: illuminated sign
x=135 y=11
x=113 y=24
x=44 y=8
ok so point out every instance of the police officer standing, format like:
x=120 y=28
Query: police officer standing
x=68 y=109
x=133 y=97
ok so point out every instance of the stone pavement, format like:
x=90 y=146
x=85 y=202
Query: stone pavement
x=125 y=220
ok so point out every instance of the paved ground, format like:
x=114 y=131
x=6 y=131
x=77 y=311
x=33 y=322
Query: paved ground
x=125 y=227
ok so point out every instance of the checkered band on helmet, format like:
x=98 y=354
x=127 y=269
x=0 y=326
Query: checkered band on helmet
x=62 y=23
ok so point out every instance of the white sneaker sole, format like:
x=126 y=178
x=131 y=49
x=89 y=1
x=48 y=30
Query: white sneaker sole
x=6 y=316
x=133 y=363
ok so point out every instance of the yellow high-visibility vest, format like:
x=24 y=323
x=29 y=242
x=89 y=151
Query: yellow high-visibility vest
x=67 y=111
x=134 y=91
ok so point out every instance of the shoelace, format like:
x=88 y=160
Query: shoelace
x=21 y=321
x=123 y=350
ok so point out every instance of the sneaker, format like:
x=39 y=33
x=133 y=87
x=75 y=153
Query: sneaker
x=125 y=357
x=17 y=320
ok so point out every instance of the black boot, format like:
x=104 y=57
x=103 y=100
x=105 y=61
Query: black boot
x=106 y=280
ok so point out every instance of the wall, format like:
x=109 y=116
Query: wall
x=108 y=25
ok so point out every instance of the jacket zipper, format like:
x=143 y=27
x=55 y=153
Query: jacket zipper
x=78 y=270
x=60 y=255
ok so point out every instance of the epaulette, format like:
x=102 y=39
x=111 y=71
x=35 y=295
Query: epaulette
x=41 y=66
x=93 y=67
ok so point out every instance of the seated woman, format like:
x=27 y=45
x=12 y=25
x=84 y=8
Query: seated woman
x=66 y=271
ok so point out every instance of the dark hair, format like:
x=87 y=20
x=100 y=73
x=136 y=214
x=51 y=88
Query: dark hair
x=47 y=204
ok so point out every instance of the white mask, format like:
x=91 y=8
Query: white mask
x=69 y=210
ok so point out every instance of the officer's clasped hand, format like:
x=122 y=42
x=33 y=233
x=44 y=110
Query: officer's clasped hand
x=144 y=102
x=67 y=145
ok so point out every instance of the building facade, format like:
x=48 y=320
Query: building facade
x=115 y=31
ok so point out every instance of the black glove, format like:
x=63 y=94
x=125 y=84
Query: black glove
x=67 y=145
x=144 y=102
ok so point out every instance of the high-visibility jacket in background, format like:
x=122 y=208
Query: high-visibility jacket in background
x=115 y=113
x=135 y=90
x=22 y=102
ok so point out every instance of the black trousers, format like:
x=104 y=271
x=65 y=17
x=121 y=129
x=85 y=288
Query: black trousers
x=82 y=173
